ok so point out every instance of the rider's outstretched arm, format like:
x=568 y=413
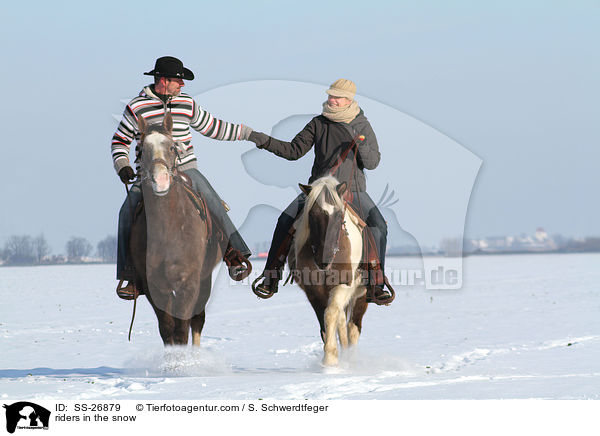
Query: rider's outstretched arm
x=293 y=150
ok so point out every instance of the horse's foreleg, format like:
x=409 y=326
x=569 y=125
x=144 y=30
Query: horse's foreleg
x=335 y=322
x=197 y=325
x=182 y=331
x=166 y=325
x=199 y=315
x=331 y=352
x=342 y=329
x=355 y=325
x=319 y=304
x=353 y=334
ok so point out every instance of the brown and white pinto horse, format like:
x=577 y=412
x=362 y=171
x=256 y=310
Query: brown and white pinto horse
x=324 y=261
x=171 y=247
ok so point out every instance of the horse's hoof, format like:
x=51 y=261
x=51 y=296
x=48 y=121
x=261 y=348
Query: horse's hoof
x=329 y=360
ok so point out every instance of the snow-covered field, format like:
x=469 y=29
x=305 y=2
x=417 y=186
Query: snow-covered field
x=522 y=327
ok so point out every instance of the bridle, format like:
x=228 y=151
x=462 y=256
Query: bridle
x=171 y=168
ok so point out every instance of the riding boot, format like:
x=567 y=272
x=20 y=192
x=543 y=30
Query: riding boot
x=274 y=269
x=271 y=277
x=236 y=260
x=280 y=247
x=376 y=293
x=128 y=291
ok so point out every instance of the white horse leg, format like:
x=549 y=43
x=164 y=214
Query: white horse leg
x=353 y=333
x=342 y=329
x=330 y=348
x=195 y=339
x=335 y=323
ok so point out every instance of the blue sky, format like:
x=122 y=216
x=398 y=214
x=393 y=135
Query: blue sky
x=516 y=83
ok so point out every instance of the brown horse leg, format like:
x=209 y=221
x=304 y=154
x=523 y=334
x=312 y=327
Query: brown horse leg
x=181 y=333
x=319 y=303
x=199 y=315
x=166 y=322
x=355 y=325
x=197 y=325
x=166 y=326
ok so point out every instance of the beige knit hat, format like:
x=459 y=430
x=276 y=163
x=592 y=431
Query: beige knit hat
x=342 y=88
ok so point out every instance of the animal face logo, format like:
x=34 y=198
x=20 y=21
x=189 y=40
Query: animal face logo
x=26 y=415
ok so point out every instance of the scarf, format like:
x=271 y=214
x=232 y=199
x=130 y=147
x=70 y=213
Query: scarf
x=341 y=114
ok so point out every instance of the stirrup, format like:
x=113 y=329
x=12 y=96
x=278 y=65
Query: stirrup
x=260 y=290
x=385 y=297
x=128 y=292
x=239 y=267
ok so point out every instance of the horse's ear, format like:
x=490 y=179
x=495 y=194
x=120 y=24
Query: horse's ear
x=341 y=188
x=141 y=124
x=305 y=188
x=168 y=122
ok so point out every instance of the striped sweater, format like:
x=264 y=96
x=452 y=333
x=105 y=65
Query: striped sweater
x=186 y=113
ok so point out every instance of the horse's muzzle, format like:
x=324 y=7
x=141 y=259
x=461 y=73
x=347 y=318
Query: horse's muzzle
x=161 y=178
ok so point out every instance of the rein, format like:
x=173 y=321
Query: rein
x=136 y=295
x=348 y=195
x=342 y=157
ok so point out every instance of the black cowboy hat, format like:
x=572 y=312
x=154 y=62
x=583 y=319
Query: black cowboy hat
x=168 y=66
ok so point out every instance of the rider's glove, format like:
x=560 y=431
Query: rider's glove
x=126 y=174
x=259 y=138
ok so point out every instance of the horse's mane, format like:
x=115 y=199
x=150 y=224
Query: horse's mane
x=319 y=189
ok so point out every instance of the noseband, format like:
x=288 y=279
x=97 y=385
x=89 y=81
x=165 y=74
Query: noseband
x=161 y=161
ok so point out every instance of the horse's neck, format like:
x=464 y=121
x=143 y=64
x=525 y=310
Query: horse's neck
x=352 y=223
x=166 y=208
x=354 y=232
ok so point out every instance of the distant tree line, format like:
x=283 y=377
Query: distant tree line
x=28 y=250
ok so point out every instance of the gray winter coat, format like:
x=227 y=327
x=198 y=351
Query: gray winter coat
x=330 y=140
